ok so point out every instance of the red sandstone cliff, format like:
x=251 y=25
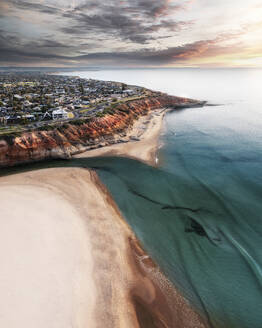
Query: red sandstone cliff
x=68 y=139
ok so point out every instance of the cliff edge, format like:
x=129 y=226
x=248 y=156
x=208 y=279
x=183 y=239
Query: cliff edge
x=69 y=138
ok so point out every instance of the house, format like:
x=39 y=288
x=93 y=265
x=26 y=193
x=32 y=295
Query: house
x=15 y=119
x=46 y=117
x=71 y=107
x=37 y=109
x=59 y=114
x=29 y=117
x=27 y=103
x=129 y=92
x=18 y=97
x=116 y=95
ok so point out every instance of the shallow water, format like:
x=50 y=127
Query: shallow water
x=199 y=213
x=204 y=243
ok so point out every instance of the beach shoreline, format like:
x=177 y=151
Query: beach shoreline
x=140 y=141
x=126 y=287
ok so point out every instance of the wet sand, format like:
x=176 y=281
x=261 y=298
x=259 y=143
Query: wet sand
x=70 y=260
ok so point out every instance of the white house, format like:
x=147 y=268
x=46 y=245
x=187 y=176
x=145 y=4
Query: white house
x=18 y=97
x=129 y=92
x=37 y=109
x=59 y=114
x=27 y=103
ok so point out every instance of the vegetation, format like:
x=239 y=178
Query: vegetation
x=10 y=130
x=100 y=114
x=80 y=121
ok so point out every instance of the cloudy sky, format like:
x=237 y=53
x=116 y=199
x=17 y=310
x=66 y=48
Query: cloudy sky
x=131 y=33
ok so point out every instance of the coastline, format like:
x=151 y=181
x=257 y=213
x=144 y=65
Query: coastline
x=126 y=286
x=64 y=139
x=140 y=141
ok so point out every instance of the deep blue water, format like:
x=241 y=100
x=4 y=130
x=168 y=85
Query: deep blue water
x=199 y=213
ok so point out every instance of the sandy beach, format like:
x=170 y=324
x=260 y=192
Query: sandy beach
x=45 y=256
x=69 y=258
x=140 y=141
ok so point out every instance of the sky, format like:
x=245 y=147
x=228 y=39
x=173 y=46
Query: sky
x=131 y=33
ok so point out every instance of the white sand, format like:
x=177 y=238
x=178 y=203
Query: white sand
x=66 y=260
x=63 y=253
x=45 y=261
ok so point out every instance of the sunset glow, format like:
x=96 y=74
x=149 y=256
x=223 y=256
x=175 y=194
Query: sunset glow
x=131 y=33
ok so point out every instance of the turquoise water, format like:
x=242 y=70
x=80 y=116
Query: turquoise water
x=199 y=213
x=217 y=262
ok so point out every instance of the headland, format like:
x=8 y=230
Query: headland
x=99 y=261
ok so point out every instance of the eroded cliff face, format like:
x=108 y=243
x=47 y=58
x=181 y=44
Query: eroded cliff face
x=71 y=138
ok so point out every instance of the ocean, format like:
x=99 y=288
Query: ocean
x=199 y=213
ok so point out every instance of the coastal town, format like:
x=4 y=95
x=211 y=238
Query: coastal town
x=55 y=116
x=36 y=100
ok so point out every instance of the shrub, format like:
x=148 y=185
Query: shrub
x=99 y=114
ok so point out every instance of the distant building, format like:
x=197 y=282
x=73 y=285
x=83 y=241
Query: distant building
x=27 y=103
x=46 y=116
x=37 y=109
x=59 y=114
x=116 y=95
x=129 y=92
x=29 y=117
x=18 y=97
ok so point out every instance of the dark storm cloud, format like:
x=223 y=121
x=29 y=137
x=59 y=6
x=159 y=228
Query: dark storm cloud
x=126 y=22
x=25 y=5
x=153 y=8
x=9 y=54
x=145 y=57
x=154 y=56
x=118 y=25
x=45 y=43
x=8 y=42
x=134 y=21
x=14 y=49
x=149 y=8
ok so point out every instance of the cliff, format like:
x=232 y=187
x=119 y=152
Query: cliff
x=73 y=137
